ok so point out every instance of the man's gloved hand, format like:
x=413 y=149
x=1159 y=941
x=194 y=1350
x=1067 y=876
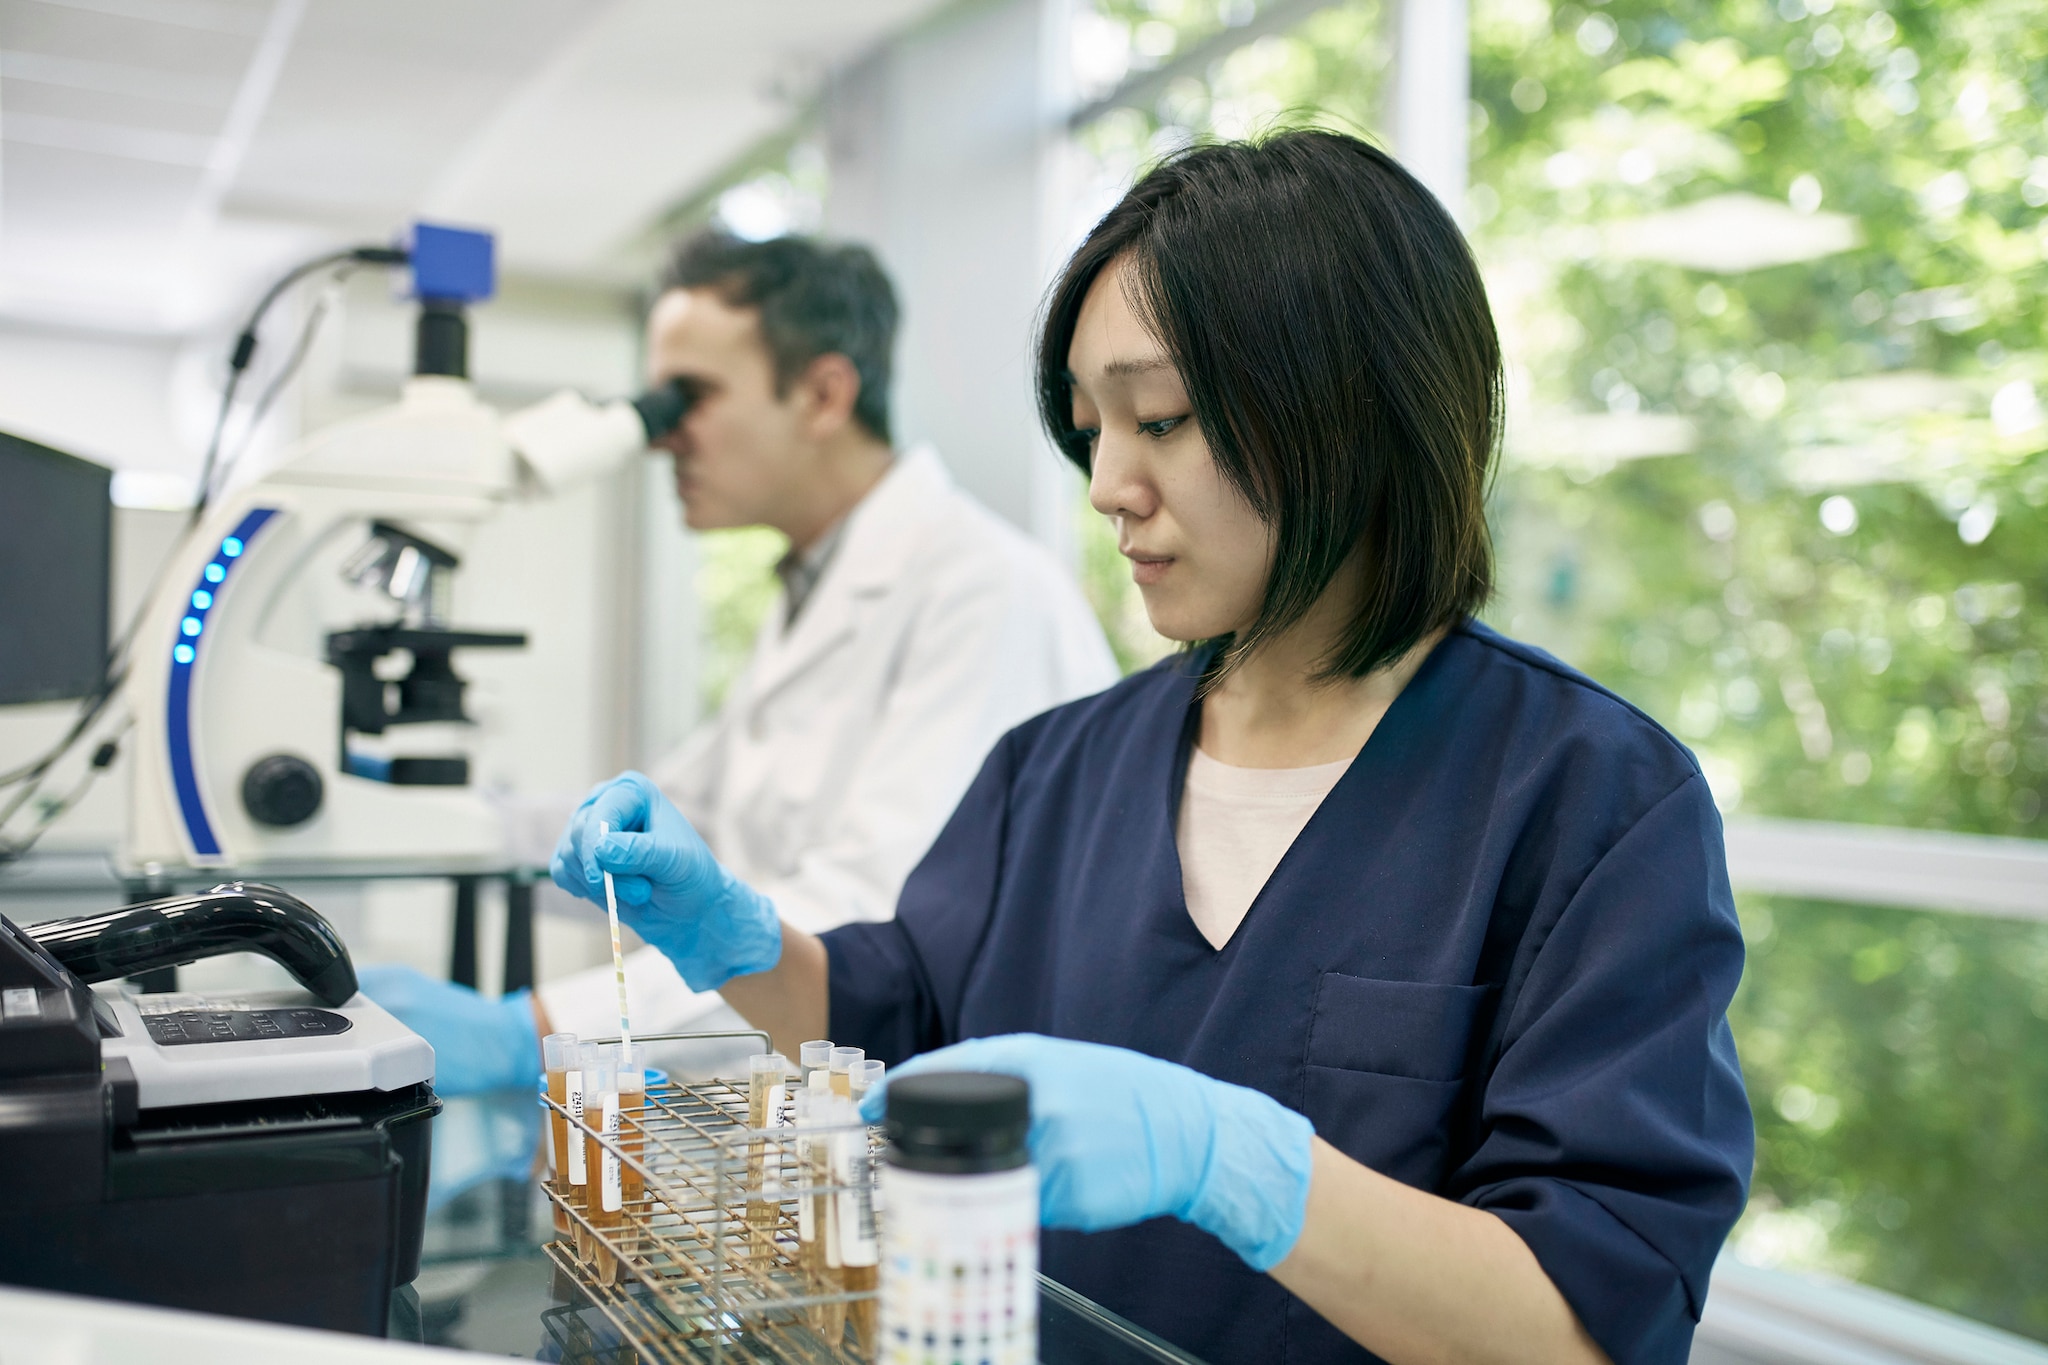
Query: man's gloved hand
x=673 y=893
x=479 y=1044
x=1119 y=1137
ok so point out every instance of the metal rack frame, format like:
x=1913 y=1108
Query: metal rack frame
x=686 y=1276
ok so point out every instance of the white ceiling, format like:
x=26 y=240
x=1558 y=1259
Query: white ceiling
x=160 y=159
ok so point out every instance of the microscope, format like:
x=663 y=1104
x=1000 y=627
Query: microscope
x=295 y=680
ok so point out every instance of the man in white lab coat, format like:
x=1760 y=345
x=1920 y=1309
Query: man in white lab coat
x=913 y=629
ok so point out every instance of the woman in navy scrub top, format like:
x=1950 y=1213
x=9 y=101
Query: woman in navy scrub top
x=1459 y=1083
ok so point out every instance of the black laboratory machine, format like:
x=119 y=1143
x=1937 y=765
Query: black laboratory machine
x=263 y=1154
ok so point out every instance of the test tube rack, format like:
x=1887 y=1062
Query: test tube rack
x=684 y=1277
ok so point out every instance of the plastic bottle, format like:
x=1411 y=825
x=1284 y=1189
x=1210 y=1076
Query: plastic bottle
x=960 y=1243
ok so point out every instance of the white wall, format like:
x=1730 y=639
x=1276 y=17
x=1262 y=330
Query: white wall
x=943 y=151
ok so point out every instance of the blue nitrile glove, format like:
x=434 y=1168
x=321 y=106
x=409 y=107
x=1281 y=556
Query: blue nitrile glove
x=673 y=893
x=479 y=1044
x=1119 y=1137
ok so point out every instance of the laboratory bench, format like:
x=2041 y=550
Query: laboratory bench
x=486 y=1285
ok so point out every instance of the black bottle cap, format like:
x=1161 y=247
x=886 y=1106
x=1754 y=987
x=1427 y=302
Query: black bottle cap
x=958 y=1122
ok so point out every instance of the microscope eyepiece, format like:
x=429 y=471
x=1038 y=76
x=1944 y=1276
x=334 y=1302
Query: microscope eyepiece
x=663 y=407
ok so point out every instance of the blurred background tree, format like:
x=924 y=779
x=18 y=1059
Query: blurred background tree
x=1770 y=280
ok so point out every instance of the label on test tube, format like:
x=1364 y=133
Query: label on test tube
x=855 y=1214
x=613 y=1198
x=831 y=1203
x=771 y=1176
x=806 y=1224
x=579 y=1173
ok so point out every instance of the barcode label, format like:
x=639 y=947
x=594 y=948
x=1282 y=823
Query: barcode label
x=614 y=1199
x=771 y=1176
x=579 y=1171
x=855 y=1210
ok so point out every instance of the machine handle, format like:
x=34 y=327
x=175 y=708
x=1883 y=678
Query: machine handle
x=238 y=917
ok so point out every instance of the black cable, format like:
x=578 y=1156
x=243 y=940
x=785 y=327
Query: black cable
x=299 y=350
x=103 y=757
x=116 y=672
x=245 y=346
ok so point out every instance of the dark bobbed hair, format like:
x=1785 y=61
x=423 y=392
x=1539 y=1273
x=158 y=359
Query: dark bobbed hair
x=1331 y=328
x=815 y=298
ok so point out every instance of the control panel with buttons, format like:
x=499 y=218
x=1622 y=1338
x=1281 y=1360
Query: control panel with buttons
x=241 y=1026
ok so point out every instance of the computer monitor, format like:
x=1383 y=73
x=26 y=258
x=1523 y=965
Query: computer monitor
x=56 y=555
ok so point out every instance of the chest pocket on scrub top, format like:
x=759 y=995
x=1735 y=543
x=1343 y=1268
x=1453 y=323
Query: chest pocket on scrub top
x=1386 y=1063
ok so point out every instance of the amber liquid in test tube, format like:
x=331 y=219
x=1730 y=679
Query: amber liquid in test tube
x=584 y=1059
x=575 y=1176
x=828 y=1318
x=604 y=1195
x=840 y=1062
x=556 y=1052
x=814 y=1211
x=767 y=1086
x=600 y=1111
x=631 y=1060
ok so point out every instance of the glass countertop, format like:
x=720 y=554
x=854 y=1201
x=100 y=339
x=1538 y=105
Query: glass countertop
x=487 y=1285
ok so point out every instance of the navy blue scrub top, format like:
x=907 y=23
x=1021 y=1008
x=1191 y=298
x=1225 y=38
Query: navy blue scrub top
x=1495 y=965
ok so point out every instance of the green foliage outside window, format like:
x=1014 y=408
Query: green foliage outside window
x=1775 y=472
x=737 y=586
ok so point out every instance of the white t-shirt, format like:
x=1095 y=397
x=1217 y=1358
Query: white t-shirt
x=1235 y=825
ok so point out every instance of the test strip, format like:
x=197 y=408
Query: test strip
x=611 y=910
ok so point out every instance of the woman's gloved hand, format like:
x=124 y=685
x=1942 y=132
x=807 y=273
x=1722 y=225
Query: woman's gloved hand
x=479 y=1044
x=672 y=892
x=1119 y=1137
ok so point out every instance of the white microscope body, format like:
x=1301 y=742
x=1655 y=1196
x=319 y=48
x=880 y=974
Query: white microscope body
x=261 y=736
x=227 y=671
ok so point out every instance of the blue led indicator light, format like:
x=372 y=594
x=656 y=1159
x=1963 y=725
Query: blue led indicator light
x=178 y=699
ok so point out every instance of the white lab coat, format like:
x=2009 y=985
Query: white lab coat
x=850 y=736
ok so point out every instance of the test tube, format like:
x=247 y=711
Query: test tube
x=815 y=1056
x=767 y=1084
x=816 y=1218
x=810 y=1255
x=604 y=1198
x=555 y=1051
x=840 y=1061
x=865 y=1076
x=580 y=1058
x=631 y=1061
x=859 y=1253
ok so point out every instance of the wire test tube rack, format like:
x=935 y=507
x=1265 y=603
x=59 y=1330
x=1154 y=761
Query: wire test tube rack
x=678 y=1272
